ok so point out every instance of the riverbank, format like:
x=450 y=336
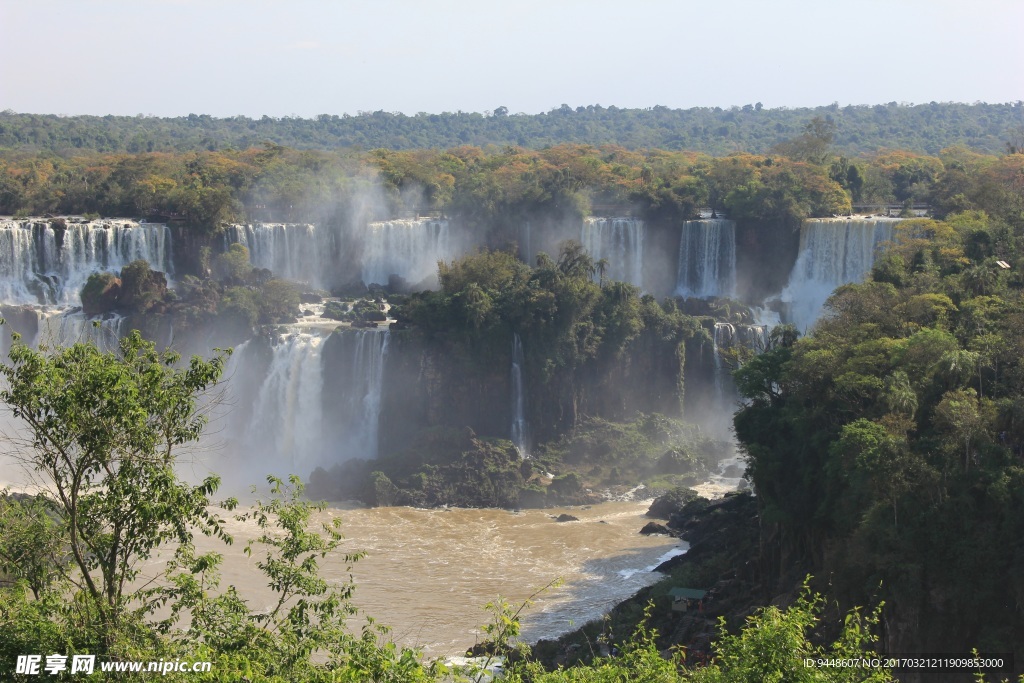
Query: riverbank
x=722 y=536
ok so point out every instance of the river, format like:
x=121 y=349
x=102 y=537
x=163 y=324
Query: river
x=429 y=573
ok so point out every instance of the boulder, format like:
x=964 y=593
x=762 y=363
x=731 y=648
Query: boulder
x=652 y=528
x=566 y=518
x=672 y=502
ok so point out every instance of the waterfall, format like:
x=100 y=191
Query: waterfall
x=755 y=338
x=707 y=259
x=43 y=264
x=359 y=412
x=287 y=416
x=303 y=416
x=519 y=432
x=722 y=338
x=832 y=253
x=620 y=241
x=409 y=248
x=295 y=251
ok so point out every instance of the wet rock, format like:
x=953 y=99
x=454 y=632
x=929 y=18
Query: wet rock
x=566 y=518
x=654 y=528
x=672 y=502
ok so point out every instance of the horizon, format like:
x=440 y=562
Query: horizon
x=230 y=58
x=835 y=106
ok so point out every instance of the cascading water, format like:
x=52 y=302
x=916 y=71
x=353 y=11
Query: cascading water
x=832 y=253
x=519 y=432
x=722 y=338
x=358 y=415
x=707 y=259
x=64 y=328
x=305 y=417
x=754 y=337
x=620 y=241
x=287 y=417
x=41 y=263
x=294 y=251
x=409 y=248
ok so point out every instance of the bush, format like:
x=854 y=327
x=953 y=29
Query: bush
x=335 y=310
x=278 y=302
x=141 y=287
x=100 y=293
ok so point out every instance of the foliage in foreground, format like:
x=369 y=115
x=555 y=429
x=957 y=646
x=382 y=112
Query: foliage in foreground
x=773 y=646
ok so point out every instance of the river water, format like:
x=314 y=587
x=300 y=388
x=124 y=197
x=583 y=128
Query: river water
x=429 y=573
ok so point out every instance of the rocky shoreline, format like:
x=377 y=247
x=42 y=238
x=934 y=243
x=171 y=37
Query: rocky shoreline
x=722 y=560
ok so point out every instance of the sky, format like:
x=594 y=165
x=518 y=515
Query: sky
x=305 y=57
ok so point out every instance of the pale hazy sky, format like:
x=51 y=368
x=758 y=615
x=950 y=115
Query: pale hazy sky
x=300 y=57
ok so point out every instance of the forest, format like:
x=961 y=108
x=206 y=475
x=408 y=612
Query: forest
x=922 y=128
x=495 y=188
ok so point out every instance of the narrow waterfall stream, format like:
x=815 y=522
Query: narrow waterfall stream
x=519 y=431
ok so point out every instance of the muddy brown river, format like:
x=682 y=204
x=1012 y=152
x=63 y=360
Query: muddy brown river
x=429 y=573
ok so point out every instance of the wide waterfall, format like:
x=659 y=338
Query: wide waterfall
x=707 y=259
x=619 y=241
x=409 y=248
x=519 y=432
x=832 y=253
x=304 y=416
x=44 y=263
x=294 y=251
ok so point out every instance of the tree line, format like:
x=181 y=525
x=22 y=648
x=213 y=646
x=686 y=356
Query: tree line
x=497 y=189
x=922 y=128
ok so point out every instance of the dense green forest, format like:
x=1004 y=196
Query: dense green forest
x=887 y=448
x=497 y=189
x=922 y=128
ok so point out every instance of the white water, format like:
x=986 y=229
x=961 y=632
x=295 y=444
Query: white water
x=408 y=248
x=288 y=414
x=39 y=265
x=293 y=427
x=294 y=251
x=360 y=413
x=832 y=253
x=707 y=259
x=722 y=338
x=519 y=432
x=60 y=327
x=620 y=241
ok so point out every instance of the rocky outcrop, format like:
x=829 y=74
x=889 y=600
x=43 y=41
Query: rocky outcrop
x=722 y=560
x=674 y=501
x=653 y=528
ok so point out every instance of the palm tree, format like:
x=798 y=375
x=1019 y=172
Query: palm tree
x=602 y=267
